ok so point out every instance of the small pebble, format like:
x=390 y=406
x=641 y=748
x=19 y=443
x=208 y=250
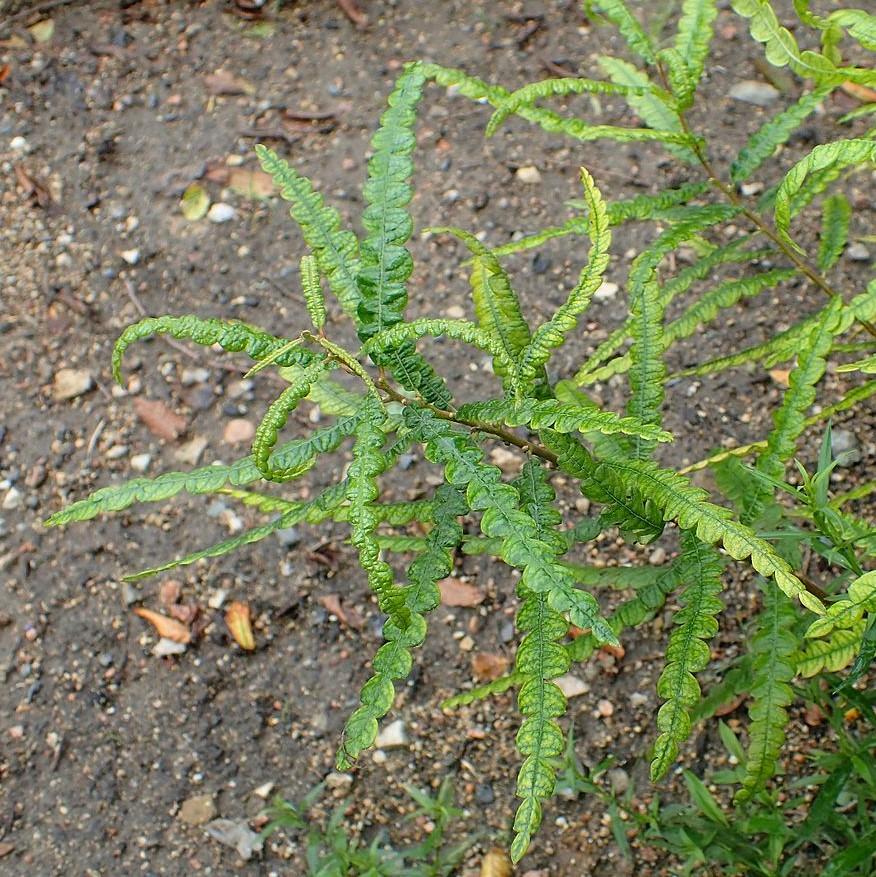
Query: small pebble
x=571 y=685
x=638 y=699
x=132 y=257
x=605 y=708
x=606 y=292
x=484 y=794
x=191 y=376
x=336 y=780
x=289 y=536
x=221 y=212
x=619 y=780
x=845 y=447
x=466 y=644
x=528 y=174
x=263 y=791
x=392 y=736
x=752 y=91
x=507 y=461
x=217 y=598
x=198 y=810
x=191 y=451
x=19 y=144
x=71 y=382
x=164 y=648
x=858 y=253
x=455 y=312
x=379 y=756
x=657 y=557
x=140 y=462
x=12 y=500
x=238 y=431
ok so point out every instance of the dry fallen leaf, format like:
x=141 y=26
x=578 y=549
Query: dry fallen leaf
x=224 y=83
x=42 y=31
x=349 y=617
x=496 y=863
x=351 y=9
x=169 y=592
x=488 y=666
x=780 y=376
x=167 y=628
x=239 y=620
x=861 y=92
x=32 y=187
x=458 y=593
x=159 y=419
x=5 y=70
x=184 y=612
x=251 y=183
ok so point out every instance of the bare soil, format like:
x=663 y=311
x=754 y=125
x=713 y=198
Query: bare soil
x=106 y=124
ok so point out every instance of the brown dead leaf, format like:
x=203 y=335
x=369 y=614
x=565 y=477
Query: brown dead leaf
x=351 y=9
x=349 y=617
x=31 y=187
x=223 y=82
x=251 y=183
x=6 y=849
x=488 y=666
x=615 y=651
x=455 y=592
x=169 y=592
x=159 y=419
x=5 y=70
x=859 y=92
x=239 y=620
x=780 y=376
x=496 y=863
x=186 y=613
x=731 y=706
x=168 y=628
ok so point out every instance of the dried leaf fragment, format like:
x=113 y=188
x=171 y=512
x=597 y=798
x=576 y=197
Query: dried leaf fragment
x=351 y=9
x=496 y=863
x=31 y=187
x=488 y=666
x=349 y=617
x=455 y=592
x=159 y=419
x=167 y=628
x=238 y=618
x=42 y=31
x=861 y=92
x=222 y=82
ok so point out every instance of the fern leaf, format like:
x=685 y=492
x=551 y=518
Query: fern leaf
x=542 y=573
x=230 y=335
x=563 y=417
x=789 y=420
x=275 y=419
x=681 y=81
x=688 y=651
x=859 y=25
x=333 y=398
x=836 y=155
x=393 y=659
x=552 y=334
x=764 y=142
x=558 y=87
x=496 y=305
x=481 y=692
x=694 y=36
x=336 y=249
x=847 y=612
x=867 y=366
x=386 y=263
x=459 y=330
x=631 y=30
x=652 y=108
x=362 y=489
x=294 y=457
x=647 y=367
x=312 y=290
x=314 y=511
x=834 y=653
x=540 y=658
x=772 y=670
x=685 y=504
x=782 y=49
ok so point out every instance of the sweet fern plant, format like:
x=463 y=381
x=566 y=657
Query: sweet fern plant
x=549 y=418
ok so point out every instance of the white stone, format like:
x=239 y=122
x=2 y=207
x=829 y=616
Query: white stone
x=132 y=257
x=221 y=212
x=164 y=648
x=140 y=462
x=392 y=736
x=72 y=382
x=263 y=791
x=19 y=144
x=752 y=91
x=571 y=685
x=529 y=173
x=606 y=292
x=12 y=500
x=858 y=253
x=191 y=451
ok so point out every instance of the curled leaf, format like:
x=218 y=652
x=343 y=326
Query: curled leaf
x=496 y=864
x=195 y=203
x=239 y=620
x=167 y=628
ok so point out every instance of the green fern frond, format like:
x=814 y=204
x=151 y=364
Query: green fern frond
x=859 y=25
x=837 y=651
x=563 y=417
x=496 y=304
x=835 y=217
x=275 y=419
x=333 y=398
x=312 y=290
x=558 y=87
x=335 y=248
x=552 y=334
x=688 y=650
x=393 y=660
x=695 y=30
x=681 y=81
x=362 y=489
x=835 y=156
x=230 y=335
x=867 y=366
x=685 y=504
x=540 y=658
x=782 y=49
x=772 y=669
x=386 y=263
x=847 y=612
x=631 y=30
x=459 y=330
x=293 y=457
x=316 y=510
x=481 y=692
x=653 y=109
x=772 y=134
